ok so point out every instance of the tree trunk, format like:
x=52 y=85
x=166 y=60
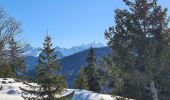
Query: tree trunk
x=154 y=91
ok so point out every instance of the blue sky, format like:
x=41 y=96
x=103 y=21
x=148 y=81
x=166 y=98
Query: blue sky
x=69 y=22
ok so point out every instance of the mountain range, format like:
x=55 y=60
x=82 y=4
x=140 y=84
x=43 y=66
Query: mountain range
x=71 y=61
x=72 y=64
x=62 y=52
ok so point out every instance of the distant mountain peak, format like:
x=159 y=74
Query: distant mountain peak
x=78 y=48
x=32 y=51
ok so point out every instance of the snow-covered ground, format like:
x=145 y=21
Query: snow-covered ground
x=11 y=91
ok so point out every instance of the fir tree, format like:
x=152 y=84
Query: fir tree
x=91 y=72
x=47 y=73
x=81 y=81
x=140 y=45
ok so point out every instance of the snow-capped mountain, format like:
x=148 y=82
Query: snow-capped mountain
x=32 y=51
x=76 y=49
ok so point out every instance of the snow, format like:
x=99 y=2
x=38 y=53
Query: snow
x=11 y=91
x=89 y=95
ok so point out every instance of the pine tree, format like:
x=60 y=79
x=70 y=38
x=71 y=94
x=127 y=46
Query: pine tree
x=140 y=45
x=47 y=73
x=16 y=58
x=81 y=81
x=91 y=72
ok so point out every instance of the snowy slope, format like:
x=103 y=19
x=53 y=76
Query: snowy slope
x=11 y=91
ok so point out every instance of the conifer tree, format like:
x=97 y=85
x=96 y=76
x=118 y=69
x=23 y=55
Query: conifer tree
x=109 y=73
x=91 y=72
x=48 y=71
x=140 y=45
x=81 y=81
x=47 y=74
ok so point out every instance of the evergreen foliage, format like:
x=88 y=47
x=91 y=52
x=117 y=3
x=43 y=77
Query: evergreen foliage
x=109 y=74
x=48 y=79
x=140 y=45
x=47 y=71
x=5 y=70
x=91 y=72
x=81 y=81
